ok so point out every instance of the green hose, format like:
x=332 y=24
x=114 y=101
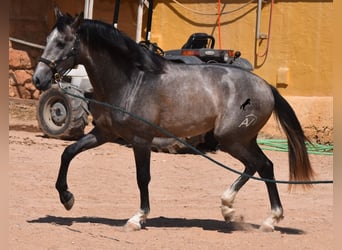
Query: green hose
x=281 y=145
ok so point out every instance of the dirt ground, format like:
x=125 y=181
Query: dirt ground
x=185 y=199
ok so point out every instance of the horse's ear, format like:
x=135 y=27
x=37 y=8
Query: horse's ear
x=58 y=13
x=77 y=21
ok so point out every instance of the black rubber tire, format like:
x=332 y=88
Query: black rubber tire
x=204 y=143
x=62 y=116
x=172 y=146
x=243 y=63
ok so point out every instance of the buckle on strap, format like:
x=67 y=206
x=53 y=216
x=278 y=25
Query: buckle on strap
x=51 y=64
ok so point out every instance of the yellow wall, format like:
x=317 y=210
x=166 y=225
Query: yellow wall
x=300 y=48
x=300 y=41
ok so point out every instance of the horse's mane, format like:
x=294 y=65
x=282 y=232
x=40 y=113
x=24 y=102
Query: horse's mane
x=102 y=36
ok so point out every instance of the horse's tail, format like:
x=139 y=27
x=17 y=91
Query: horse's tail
x=299 y=163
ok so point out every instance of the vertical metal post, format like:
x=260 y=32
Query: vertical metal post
x=88 y=9
x=139 y=21
x=258 y=19
x=116 y=13
x=149 y=21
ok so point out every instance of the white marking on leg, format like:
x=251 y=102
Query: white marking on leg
x=135 y=222
x=228 y=197
x=275 y=216
x=227 y=200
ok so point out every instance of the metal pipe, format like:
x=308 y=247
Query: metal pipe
x=116 y=13
x=149 y=20
x=258 y=19
x=139 y=21
x=26 y=43
x=86 y=8
x=91 y=7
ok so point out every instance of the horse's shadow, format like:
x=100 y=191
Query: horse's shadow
x=159 y=222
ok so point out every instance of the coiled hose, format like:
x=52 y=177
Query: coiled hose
x=281 y=145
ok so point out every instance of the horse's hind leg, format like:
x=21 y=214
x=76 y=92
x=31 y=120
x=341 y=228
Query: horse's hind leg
x=276 y=208
x=254 y=160
x=91 y=140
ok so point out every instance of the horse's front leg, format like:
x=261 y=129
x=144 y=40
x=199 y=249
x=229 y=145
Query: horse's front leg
x=91 y=140
x=142 y=155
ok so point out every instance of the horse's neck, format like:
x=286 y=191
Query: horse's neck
x=107 y=78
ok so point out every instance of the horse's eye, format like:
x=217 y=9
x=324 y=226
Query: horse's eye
x=60 y=45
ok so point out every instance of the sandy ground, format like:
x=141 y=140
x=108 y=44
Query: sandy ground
x=185 y=199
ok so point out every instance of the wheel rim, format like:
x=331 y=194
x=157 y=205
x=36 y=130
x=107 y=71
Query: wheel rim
x=55 y=114
x=58 y=113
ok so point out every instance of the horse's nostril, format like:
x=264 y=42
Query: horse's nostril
x=36 y=82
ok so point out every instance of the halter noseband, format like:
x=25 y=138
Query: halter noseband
x=54 y=63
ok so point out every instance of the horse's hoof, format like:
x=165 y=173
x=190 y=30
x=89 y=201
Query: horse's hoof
x=130 y=226
x=266 y=228
x=227 y=213
x=68 y=205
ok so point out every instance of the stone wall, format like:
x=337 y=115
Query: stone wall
x=28 y=21
x=20 y=70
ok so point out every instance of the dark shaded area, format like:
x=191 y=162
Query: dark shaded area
x=164 y=222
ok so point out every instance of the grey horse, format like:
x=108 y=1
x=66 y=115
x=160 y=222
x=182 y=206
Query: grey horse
x=186 y=100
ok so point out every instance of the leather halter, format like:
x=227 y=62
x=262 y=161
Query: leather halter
x=53 y=64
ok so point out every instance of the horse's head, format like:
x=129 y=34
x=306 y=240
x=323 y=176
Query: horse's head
x=61 y=50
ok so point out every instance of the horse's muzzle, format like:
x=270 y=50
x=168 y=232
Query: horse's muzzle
x=39 y=84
